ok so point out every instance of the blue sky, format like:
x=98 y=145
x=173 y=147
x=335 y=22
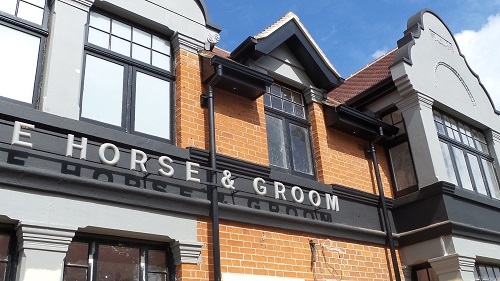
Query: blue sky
x=350 y=32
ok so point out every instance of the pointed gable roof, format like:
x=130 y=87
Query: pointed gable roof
x=290 y=31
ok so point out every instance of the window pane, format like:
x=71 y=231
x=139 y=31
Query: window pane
x=4 y=246
x=463 y=172
x=402 y=166
x=98 y=38
x=122 y=30
x=161 y=60
x=103 y=91
x=277 y=102
x=30 y=12
x=8 y=6
x=39 y=3
x=288 y=107
x=267 y=100
x=297 y=98
x=476 y=173
x=78 y=253
x=276 y=142
x=287 y=94
x=3 y=270
x=152 y=106
x=118 y=263
x=75 y=274
x=99 y=21
x=276 y=90
x=120 y=46
x=491 y=179
x=422 y=275
x=157 y=277
x=141 y=53
x=161 y=45
x=301 y=150
x=156 y=261
x=141 y=37
x=299 y=111
x=19 y=51
x=448 y=163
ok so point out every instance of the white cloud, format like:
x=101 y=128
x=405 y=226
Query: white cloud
x=378 y=53
x=481 y=49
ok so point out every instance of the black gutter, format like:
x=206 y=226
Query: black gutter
x=385 y=212
x=212 y=178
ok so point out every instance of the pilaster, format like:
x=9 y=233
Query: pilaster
x=423 y=138
x=454 y=267
x=187 y=252
x=42 y=249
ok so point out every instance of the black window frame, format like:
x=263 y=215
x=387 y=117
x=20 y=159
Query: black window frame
x=94 y=241
x=494 y=267
x=38 y=30
x=288 y=119
x=13 y=255
x=466 y=149
x=400 y=138
x=131 y=67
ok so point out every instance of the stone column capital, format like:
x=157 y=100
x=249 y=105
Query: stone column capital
x=183 y=42
x=187 y=252
x=313 y=94
x=45 y=237
x=414 y=99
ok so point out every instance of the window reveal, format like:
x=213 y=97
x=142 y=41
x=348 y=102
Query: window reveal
x=21 y=48
x=127 y=79
x=287 y=131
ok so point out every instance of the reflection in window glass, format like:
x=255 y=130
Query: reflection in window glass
x=463 y=172
x=30 y=12
x=402 y=166
x=476 y=173
x=4 y=255
x=8 y=6
x=276 y=142
x=301 y=149
x=448 y=163
x=103 y=91
x=19 y=51
x=118 y=263
x=491 y=179
x=152 y=106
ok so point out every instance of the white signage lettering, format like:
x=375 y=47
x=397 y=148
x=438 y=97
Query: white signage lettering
x=190 y=171
x=116 y=153
x=82 y=147
x=134 y=162
x=18 y=133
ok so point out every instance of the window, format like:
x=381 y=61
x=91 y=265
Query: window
x=401 y=160
x=127 y=79
x=288 y=134
x=23 y=33
x=486 y=272
x=466 y=156
x=95 y=261
x=6 y=258
x=424 y=273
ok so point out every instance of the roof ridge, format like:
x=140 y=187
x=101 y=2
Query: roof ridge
x=270 y=29
x=371 y=63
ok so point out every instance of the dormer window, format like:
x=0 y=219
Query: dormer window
x=288 y=134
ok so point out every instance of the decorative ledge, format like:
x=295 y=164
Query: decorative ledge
x=187 y=252
x=45 y=237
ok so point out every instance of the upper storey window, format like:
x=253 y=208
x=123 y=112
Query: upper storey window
x=22 y=35
x=127 y=81
x=466 y=155
x=288 y=134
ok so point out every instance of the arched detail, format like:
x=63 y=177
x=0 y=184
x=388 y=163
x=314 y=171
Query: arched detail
x=208 y=22
x=459 y=78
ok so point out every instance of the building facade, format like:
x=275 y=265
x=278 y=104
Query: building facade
x=133 y=149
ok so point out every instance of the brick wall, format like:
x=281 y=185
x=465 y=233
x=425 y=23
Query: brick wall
x=256 y=250
x=340 y=158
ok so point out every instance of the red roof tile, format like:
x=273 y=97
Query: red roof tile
x=363 y=79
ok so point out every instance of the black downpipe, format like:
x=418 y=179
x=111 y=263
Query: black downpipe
x=385 y=212
x=212 y=178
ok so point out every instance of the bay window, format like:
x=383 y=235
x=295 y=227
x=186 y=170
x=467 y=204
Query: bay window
x=466 y=155
x=288 y=134
x=23 y=32
x=127 y=82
